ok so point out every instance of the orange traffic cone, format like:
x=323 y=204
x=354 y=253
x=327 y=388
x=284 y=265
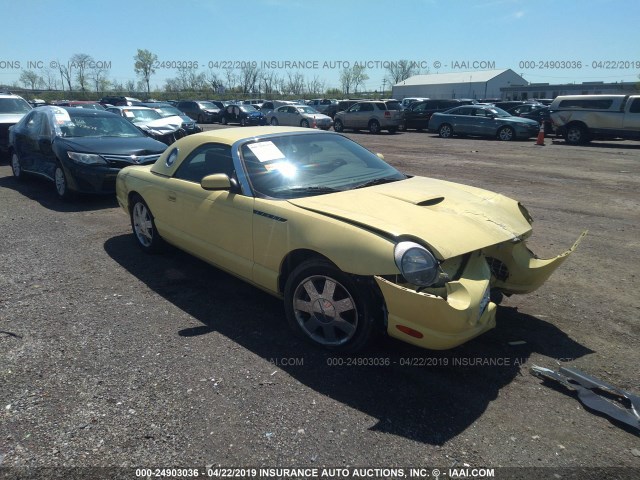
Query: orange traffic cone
x=540 y=140
x=315 y=124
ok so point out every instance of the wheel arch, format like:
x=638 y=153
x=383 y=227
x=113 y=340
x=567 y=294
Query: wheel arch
x=366 y=283
x=295 y=258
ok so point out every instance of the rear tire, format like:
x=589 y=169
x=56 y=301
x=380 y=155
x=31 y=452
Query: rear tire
x=445 y=131
x=374 y=127
x=223 y=120
x=576 y=135
x=274 y=121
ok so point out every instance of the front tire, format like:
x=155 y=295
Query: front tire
x=445 y=131
x=338 y=126
x=144 y=226
x=243 y=122
x=223 y=120
x=16 y=168
x=326 y=307
x=274 y=121
x=61 y=183
x=506 y=134
x=304 y=124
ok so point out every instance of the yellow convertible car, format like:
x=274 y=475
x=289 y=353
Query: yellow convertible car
x=351 y=244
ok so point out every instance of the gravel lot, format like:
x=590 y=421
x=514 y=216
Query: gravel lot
x=109 y=357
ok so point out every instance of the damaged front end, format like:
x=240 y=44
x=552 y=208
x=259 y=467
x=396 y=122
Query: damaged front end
x=458 y=306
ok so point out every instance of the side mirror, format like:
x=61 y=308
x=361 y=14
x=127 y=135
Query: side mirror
x=217 y=181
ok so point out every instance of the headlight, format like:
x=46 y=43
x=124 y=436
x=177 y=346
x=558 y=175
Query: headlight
x=86 y=158
x=416 y=263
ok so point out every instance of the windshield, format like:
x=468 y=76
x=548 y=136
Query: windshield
x=248 y=108
x=307 y=110
x=14 y=105
x=137 y=116
x=208 y=106
x=302 y=165
x=499 y=112
x=95 y=126
x=169 y=111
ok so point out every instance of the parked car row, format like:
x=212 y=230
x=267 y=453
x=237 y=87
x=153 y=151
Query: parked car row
x=81 y=145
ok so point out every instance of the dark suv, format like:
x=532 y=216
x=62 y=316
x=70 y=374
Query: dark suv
x=202 y=111
x=418 y=114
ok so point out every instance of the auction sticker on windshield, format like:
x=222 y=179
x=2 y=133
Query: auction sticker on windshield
x=266 y=151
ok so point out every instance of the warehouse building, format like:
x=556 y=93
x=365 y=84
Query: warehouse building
x=477 y=85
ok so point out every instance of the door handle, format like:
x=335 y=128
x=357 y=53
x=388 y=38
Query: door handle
x=171 y=196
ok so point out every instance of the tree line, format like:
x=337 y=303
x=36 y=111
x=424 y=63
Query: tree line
x=82 y=74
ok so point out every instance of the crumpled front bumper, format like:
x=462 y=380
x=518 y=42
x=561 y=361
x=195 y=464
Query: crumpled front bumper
x=443 y=322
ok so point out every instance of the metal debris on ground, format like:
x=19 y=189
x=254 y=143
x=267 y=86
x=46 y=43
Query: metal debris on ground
x=593 y=393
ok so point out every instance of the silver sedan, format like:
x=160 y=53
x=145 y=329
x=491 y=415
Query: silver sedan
x=299 y=116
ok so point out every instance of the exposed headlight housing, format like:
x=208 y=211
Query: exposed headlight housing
x=417 y=264
x=87 y=158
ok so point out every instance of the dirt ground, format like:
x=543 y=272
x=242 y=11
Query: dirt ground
x=109 y=357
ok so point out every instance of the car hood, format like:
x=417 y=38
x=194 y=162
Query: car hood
x=452 y=219
x=514 y=119
x=113 y=145
x=11 y=118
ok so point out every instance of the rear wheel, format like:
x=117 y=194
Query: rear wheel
x=144 y=226
x=243 y=122
x=274 y=121
x=374 y=126
x=506 y=134
x=223 y=120
x=326 y=307
x=338 y=126
x=304 y=124
x=576 y=135
x=445 y=131
x=200 y=119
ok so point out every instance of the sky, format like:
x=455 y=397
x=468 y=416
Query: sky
x=545 y=41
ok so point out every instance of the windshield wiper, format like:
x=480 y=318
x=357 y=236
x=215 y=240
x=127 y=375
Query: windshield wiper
x=313 y=189
x=376 y=181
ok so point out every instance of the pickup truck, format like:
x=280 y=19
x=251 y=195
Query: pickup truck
x=582 y=118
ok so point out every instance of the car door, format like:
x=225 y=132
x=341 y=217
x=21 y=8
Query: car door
x=27 y=142
x=213 y=225
x=482 y=122
x=367 y=111
x=284 y=115
x=631 y=120
x=461 y=120
x=417 y=117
